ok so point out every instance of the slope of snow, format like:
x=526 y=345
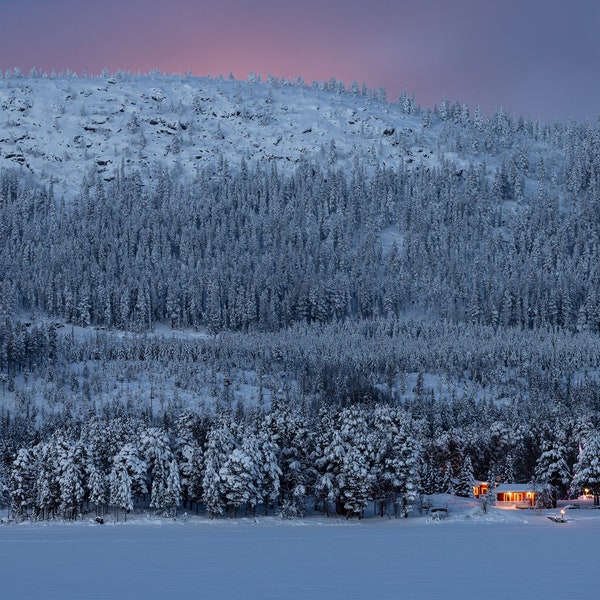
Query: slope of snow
x=506 y=555
x=65 y=127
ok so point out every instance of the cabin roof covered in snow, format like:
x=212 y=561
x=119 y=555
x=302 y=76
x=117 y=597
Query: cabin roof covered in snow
x=518 y=487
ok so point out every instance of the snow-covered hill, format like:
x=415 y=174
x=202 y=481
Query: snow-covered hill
x=67 y=127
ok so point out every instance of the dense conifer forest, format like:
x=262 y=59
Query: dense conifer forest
x=320 y=336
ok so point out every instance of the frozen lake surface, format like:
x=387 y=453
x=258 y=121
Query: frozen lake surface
x=505 y=554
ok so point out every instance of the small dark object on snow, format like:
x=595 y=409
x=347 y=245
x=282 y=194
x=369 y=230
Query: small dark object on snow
x=99 y=520
x=557 y=518
x=439 y=513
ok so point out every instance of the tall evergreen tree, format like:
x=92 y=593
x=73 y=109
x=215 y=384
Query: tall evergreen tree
x=219 y=446
x=448 y=486
x=127 y=479
x=71 y=480
x=551 y=466
x=586 y=472
x=23 y=482
x=466 y=479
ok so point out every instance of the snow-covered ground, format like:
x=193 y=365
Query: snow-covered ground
x=503 y=554
x=67 y=127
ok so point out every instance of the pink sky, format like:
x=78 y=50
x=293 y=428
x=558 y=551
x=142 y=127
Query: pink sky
x=511 y=53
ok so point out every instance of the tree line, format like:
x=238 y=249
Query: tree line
x=338 y=463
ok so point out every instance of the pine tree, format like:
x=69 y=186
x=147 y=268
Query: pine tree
x=4 y=488
x=120 y=488
x=189 y=457
x=220 y=444
x=238 y=476
x=430 y=482
x=356 y=472
x=464 y=487
x=354 y=482
x=287 y=429
x=96 y=482
x=268 y=485
x=173 y=494
x=157 y=454
x=448 y=486
x=384 y=427
x=551 y=467
x=23 y=482
x=71 y=480
x=586 y=472
x=327 y=456
x=506 y=469
x=47 y=486
x=127 y=479
x=403 y=465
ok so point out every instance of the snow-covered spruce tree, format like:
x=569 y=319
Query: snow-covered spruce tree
x=220 y=444
x=47 y=486
x=156 y=452
x=103 y=441
x=357 y=473
x=238 y=476
x=464 y=486
x=287 y=429
x=448 y=486
x=345 y=454
x=22 y=482
x=97 y=487
x=172 y=497
x=401 y=466
x=429 y=477
x=586 y=471
x=505 y=442
x=71 y=478
x=262 y=465
x=328 y=455
x=382 y=428
x=127 y=479
x=507 y=469
x=408 y=474
x=4 y=488
x=268 y=483
x=120 y=489
x=552 y=468
x=354 y=481
x=159 y=487
x=188 y=430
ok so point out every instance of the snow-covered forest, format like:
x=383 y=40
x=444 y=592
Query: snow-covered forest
x=225 y=295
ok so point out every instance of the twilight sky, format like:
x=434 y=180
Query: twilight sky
x=532 y=57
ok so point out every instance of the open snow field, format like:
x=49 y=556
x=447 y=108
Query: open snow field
x=505 y=554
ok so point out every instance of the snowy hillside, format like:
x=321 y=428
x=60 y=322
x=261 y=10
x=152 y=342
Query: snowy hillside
x=356 y=275
x=65 y=127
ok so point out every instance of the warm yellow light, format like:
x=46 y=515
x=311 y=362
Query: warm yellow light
x=587 y=491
